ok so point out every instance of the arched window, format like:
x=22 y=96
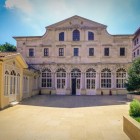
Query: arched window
x=76 y=74
x=90 y=78
x=61 y=36
x=106 y=78
x=18 y=83
x=47 y=78
x=90 y=36
x=120 y=78
x=13 y=82
x=6 y=83
x=76 y=35
x=61 y=78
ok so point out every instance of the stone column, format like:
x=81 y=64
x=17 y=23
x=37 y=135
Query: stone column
x=113 y=81
x=83 y=90
x=68 y=83
x=97 y=80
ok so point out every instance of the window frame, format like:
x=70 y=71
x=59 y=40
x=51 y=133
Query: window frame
x=75 y=53
x=31 y=54
x=90 y=36
x=61 y=52
x=106 y=52
x=76 y=35
x=61 y=36
x=122 y=51
x=46 y=53
x=91 y=53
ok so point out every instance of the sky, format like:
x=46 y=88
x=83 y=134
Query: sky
x=30 y=17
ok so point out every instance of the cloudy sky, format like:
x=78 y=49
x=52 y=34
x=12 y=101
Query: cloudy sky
x=30 y=17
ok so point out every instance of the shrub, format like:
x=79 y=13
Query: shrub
x=134 y=108
x=135 y=93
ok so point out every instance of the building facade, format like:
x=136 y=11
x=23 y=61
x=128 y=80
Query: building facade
x=78 y=56
x=16 y=80
x=136 y=44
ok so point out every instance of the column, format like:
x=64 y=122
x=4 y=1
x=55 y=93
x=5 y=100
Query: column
x=113 y=81
x=68 y=81
x=53 y=81
x=83 y=81
x=97 y=80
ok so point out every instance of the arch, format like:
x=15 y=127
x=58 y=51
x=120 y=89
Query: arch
x=76 y=73
x=46 y=78
x=106 y=78
x=76 y=35
x=13 y=72
x=6 y=72
x=106 y=70
x=61 y=36
x=90 y=73
x=90 y=35
x=60 y=70
x=120 y=78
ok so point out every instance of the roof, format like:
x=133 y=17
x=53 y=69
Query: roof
x=76 y=16
x=6 y=54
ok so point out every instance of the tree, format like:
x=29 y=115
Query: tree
x=133 y=81
x=7 y=47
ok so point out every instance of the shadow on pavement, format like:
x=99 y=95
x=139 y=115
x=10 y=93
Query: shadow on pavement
x=75 y=101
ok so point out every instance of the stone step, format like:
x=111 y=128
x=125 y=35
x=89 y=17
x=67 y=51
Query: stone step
x=14 y=103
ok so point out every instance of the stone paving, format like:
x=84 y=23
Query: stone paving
x=65 y=118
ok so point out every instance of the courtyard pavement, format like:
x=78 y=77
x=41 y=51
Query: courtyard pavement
x=65 y=118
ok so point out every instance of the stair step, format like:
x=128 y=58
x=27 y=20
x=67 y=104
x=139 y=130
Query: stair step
x=14 y=103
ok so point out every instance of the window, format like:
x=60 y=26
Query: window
x=61 y=36
x=106 y=78
x=90 y=78
x=13 y=82
x=61 y=78
x=47 y=78
x=61 y=51
x=46 y=51
x=76 y=35
x=90 y=36
x=76 y=51
x=134 y=54
x=122 y=51
x=31 y=52
x=91 y=51
x=6 y=84
x=18 y=83
x=106 y=51
x=120 y=78
x=137 y=41
x=138 y=52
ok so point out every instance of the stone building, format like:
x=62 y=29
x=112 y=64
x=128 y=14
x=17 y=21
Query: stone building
x=78 y=56
x=136 y=44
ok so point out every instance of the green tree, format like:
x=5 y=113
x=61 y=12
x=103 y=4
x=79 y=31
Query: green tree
x=133 y=81
x=7 y=47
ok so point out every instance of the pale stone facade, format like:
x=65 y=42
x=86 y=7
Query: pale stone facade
x=78 y=56
x=136 y=44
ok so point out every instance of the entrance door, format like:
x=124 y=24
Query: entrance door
x=73 y=86
x=90 y=86
x=12 y=96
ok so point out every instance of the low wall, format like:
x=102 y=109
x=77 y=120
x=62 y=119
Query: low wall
x=132 y=96
x=131 y=127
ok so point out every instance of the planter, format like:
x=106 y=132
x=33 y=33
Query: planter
x=131 y=128
x=133 y=96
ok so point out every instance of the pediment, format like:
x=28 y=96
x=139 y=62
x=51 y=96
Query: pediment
x=76 y=22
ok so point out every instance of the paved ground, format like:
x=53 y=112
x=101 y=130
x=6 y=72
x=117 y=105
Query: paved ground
x=65 y=118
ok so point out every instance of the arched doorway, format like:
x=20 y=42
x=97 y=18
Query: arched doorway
x=90 y=81
x=12 y=96
x=76 y=81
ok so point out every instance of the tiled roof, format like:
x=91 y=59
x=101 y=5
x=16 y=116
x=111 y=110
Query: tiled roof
x=5 y=54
